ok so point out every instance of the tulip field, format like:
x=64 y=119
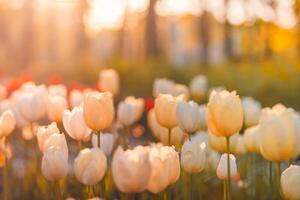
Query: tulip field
x=186 y=141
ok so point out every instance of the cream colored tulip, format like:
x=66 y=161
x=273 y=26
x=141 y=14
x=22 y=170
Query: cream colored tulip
x=222 y=167
x=165 y=167
x=76 y=98
x=57 y=140
x=251 y=139
x=58 y=90
x=219 y=143
x=224 y=113
x=90 y=166
x=75 y=125
x=252 y=110
x=55 y=108
x=279 y=132
x=193 y=156
x=290 y=182
x=7 y=123
x=32 y=104
x=181 y=89
x=198 y=86
x=165 y=110
x=109 y=81
x=130 y=110
x=44 y=132
x=54 y=164
x=3 y=93
x=240 y=148
x=163 y=86
x=131 y=169
x=188 y=116
x=98 y=110
x=106 y=142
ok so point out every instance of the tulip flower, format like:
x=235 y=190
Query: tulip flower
x=279 y=134
x=181 y=89
x=163 y=86
x=252 y=110
x=7 y=123
x=251 y=139
x=188 y=116
x=198 y=86
x=55 y=108
x=193 y=156
x=98 y=109
x=109 y=81
x=222 y=170
x=76 y=98
x=106 y=142
x=57 y=90
x=290 y=182
x=165 y=111
x=44 y=132
x=130 y=110
x=90 y=166
x=54 y=164
x=56 y=140
x=131 y=169
x=165 y=167
x=75 y=125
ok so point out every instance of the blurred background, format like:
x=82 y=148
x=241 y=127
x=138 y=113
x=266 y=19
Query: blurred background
x=252 y=46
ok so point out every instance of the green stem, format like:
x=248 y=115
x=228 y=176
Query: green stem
x=170 y=135
x=278 y=176
x=191 y=186
x=224 y=190
x=270 y=173
x=228 y=168
x=57 y=191
x=80 y=147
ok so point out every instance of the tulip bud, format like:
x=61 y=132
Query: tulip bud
x=7 y=123
x=106 y=142
x=55 y=108
x=75 y=125
x=90 y=166
x=98 y=110
x=251 y=139
x=54 y=164
x=163 y=86
x=279 y=131
x=130 y=110
x=252 y=110
x=193 y=156
x=219 y=143
x=57 y=140
x=165 y=167
x=224 y=113
x=198 y=86
x=76 y=98
x=290 y=182
x=188 y=116
x=165 y=110
x=58 y=90
x=109 y=81
x=44 y=132
x=131 y=169
x=222 y=167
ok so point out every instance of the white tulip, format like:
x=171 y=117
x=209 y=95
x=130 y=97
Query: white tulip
x=222 y=167
x=76 y=98
x=90 y=166
x=57 y=140
x=44 y=132
x=75 y=125
x=109 y=81
x=252 y=110
x=106 y=142
x=290 y=182
x=163 y=86
x=252 y=139
x=131 y=169
x=198 y=86
x=188 y=116
x=130 y=110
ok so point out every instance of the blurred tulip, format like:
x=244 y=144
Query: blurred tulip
x=163 y=86
x=32 y=103
x=3 y=92
x=131 y=169
x=219 y=143
x=224 y=113
x=44 y=132
x=130 y=110
x=252 y=110
x=76 y=98
x=54 y=164
x=75 y=125
x=56 y=140
x=106 y=142
x=240 y=148
x=279 y=131
x=98 y=110
x=7 y=123
x=290 y=182
x=165 y=110
x=198 y=86
x=55 y=108
x=251 y=139
x=109 y=81
x=181 y=89
x=57 y=90
x=90 y=166
x=165 y=167
x=222 y=167
x=188 y=116
x=193 y=156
